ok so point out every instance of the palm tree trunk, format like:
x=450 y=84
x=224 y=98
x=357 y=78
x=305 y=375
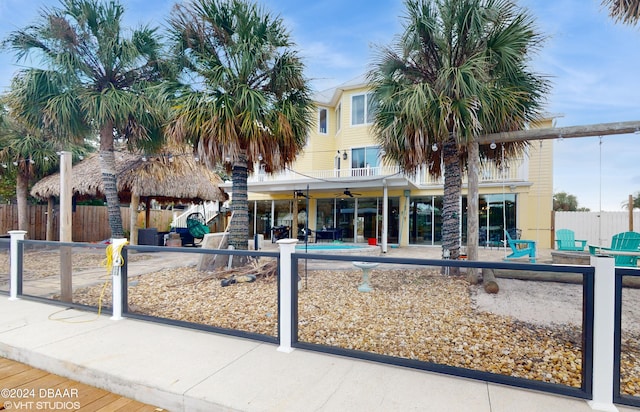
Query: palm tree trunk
x=239 y=226
x=473 y=169
x=451 y=201
x=108 y=169
x=22 y=184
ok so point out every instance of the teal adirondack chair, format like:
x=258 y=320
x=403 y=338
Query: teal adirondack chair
x=521 y=248
x=621 y=242
x=565 y=240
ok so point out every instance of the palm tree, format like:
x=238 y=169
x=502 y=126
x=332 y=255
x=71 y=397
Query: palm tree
x=635 y=202
x=457 y=71
x=26 y=155
x=627 y=11
x=564 y=202
x=251 y=101
x=94 y=80
x=7 y=187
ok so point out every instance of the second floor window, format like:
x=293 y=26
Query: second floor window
x=322 y=120
x=363 y=109
x=363 y=159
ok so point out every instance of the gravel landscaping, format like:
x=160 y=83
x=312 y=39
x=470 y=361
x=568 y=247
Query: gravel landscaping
x=414 y=314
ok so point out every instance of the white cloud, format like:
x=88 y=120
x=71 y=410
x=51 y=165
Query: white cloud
x=324 y=56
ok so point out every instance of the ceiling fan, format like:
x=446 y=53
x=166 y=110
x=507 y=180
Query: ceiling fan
x=347 y=192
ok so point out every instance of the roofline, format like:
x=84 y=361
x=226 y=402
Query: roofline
x=355 y=83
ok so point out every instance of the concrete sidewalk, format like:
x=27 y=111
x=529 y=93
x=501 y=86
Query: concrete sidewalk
x=185 y=370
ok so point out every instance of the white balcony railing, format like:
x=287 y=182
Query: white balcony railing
x=489 y=173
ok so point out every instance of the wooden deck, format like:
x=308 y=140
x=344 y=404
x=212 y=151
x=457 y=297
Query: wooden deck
x=25 y=388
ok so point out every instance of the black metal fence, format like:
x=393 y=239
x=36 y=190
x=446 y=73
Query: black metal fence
x=627 y=337
x=381 y=309
x=470 y=354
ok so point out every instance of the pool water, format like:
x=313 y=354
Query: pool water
x=339 y=248
x=330 y=246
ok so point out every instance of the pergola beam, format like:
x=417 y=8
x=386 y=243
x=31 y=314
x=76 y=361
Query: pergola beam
x=600 y=129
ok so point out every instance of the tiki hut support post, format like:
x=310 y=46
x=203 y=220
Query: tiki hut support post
x=630 y=208
x=133 y=219
x=66 y=200
x=147 y=211
x=49 y=234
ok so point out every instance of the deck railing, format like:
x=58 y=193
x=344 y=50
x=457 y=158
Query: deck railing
x=489 y=173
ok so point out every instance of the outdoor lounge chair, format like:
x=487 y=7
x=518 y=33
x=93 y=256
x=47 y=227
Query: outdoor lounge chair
x=621 y=242
x=196 y=226
x=521 y=248
x=279 y=232
x=565 y=240
x=305 y=235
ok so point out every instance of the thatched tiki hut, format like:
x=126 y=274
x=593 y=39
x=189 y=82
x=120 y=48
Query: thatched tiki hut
x=164 y=178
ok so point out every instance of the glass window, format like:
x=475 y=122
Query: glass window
x=364 y=160
x=283 y=214
x=425 y=222
x=357 y=158
x=368 y=225
x=339 y=213
x=325 y=215
x=357 y=109
x=371 y=156
x=393 y=235
x=338 y=117
x=421 y=220
x=345 y=215
x=438 y=205
x=322 y=120
x=262 y=219
x=363 y=109
x=495 y=212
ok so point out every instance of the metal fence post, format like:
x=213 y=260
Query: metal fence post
x=13 y=262
x=287 y=247
x=603 y=333
x=116 y=277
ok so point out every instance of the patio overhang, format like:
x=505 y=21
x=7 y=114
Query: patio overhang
x=326 y=186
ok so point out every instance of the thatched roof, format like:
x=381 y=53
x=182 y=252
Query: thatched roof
x=180 y=180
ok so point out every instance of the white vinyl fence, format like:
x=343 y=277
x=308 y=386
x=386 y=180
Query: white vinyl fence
x=597 y=227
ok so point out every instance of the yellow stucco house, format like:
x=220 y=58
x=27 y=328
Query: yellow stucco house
x=340 y=189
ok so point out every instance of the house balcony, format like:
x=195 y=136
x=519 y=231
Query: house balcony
x=490 y=175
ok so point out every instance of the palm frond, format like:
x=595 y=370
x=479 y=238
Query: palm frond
x=626 y=11
x=459 y=69
x=256 y=101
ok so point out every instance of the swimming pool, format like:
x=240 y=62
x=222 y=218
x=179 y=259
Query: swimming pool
x=340 y=248
x=330 y=246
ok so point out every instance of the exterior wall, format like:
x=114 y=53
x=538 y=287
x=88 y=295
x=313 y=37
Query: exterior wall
x=536 y=203
x=322 y=148
x=353 y=135
x=531 y=180
x=404 y=221
x=319 y=143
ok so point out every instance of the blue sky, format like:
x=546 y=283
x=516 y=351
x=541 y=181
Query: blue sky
x=591 y=61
